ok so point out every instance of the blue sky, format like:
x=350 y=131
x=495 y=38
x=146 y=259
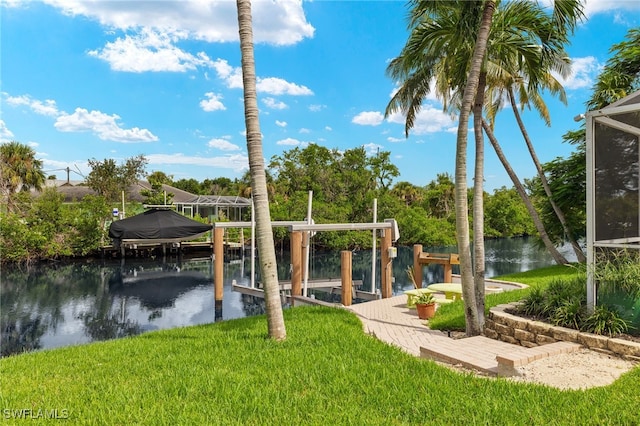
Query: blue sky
x=114 y=79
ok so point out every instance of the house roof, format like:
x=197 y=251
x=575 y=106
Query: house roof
x=75 y=190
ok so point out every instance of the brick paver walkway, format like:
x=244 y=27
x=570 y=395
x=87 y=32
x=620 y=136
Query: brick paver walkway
x=391 y=321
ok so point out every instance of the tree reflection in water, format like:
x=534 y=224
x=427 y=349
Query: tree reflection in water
x=49 y=305
x=52 y=305
x=21 y=335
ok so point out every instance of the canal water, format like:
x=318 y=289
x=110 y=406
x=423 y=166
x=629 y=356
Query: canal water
x=61 y=304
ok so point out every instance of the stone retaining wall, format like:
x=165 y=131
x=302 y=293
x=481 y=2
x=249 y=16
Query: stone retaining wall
x=509 y=328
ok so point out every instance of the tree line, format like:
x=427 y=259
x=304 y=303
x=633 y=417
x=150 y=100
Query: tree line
x=40 y=225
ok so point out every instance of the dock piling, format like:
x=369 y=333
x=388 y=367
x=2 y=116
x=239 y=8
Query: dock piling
x=345 y=277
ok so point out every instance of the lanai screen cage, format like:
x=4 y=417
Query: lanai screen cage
x=215 y=206
x=613 y=185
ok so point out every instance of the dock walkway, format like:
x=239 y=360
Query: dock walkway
x=391 y=321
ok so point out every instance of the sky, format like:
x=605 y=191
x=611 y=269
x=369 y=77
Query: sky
x=84 y=80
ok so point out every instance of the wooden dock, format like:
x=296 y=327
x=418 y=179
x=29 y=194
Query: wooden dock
x=147 y=249
x=328 y=285
x=421 y=258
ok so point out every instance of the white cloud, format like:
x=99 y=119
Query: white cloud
x=372 y=148
x=17 y=100
x=149 y=32
x=212 y=103
x=48 y=107
x=303 y=130
x=368 y=118
x=428 y=120
x=274 y=104
x=223 y=144
x=316 y=108
x=291 y=142
x=281 y=123
x=593 y=7
x=102 y=125
x=328 y=128
x=236 y=162
x=280 y=22
x=583 y=72
x=232 y=77
x=5 y=134
x=150 y=51
x=394 y=140
x=278 y=86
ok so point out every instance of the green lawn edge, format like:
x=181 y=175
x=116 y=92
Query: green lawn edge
x=328 y=371
x=451 y=316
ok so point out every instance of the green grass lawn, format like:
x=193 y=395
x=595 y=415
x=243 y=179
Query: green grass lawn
x=326 y=372
x=451 y=316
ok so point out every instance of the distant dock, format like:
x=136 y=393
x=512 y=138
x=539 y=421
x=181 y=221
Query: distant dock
x=168 y=248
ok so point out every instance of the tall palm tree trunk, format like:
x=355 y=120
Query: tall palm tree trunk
x=545 y=184
x=478 y=201
x=472 y=320
x=559 y=258
x=264 y=233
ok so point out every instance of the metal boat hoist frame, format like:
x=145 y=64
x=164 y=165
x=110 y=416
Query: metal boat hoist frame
x=309 y=229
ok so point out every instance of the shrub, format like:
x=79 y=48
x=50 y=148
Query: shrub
x=533 y=304
x=618 y=270
x=564 y=303
x=562 y=291
x=571 y=313
x=605 y=320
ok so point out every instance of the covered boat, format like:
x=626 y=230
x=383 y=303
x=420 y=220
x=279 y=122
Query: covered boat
x=156 y=226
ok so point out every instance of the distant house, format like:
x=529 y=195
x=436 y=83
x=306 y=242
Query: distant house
x=214 y=207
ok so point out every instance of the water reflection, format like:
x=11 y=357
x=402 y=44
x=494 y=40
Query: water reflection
x=46 y=306
x=53 y=305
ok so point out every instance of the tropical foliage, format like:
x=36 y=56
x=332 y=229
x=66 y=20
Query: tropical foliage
x=19 y=171
x=46 y=228
x=344 y=185
x=563 y=303
x=567 y=176
x=157 y=195
x=462 y=51
x=109 y=179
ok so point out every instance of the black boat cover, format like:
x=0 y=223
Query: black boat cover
x=157 y=224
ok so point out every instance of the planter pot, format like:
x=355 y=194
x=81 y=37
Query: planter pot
x=426 y=311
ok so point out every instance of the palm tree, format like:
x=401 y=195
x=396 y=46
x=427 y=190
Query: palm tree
x=447 y=43
x=441 y=45
x=535 y=217
x=621 y=75
x=19 y=171
x=407 y=192
x=528 y=68
x=523 y=85
x=264 y=234
x=471 y=289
